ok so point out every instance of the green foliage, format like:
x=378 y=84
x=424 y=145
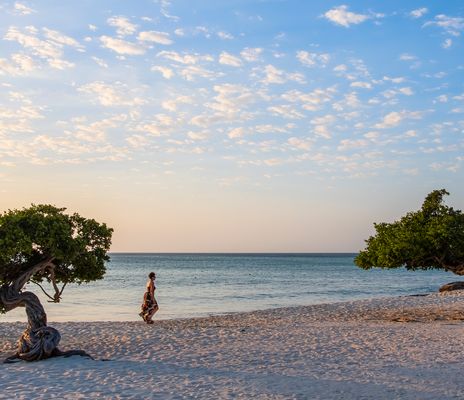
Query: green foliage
x=432 y=237
x=78 y=246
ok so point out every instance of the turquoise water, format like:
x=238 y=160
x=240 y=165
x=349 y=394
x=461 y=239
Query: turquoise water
x=193 y=285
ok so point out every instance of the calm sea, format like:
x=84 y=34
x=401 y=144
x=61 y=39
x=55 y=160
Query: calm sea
x=193 y=285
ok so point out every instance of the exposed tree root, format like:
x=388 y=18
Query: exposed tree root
x=38 y=341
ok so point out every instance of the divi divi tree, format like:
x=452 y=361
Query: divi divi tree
x=430 y=238
x=45 y=246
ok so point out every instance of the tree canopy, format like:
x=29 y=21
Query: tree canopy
x=75 y=247
x=430 y=238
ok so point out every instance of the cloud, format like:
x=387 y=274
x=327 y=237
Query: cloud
x=274 y=75
x=157 y=126
x=407 y=57
x=19 y=119
x=50 y=50
x=407 y=91
x=225 y=36
x=123 y=26
x=228 y=59
x=419 y=12
x=310 y=101
x=300 y=143
x=362 y=85
x=341 y=16
x=186 y=58
x=443 y=98
x=166 y=72
x=451 y=25
x=38 y=47
x=155 y=37
x=121 y=46
x=390 y=120
x=206 y=120
x=171 y=105
x=61 y=39
x=340 y=68
x=350 y=100
x=197 y=135
x=286 y=111
x=19 y=64
x=251 y=54
x=202 y=30
x=95 y=131
x=60 y=64
x=231 y=100
x=165 y=4
x=22 y=9
x=394 y=118
x=312 y=59
x=268 y=128
x=321 y=125
x=109 y=95
x=394 y=80
x=392 y=93
x=236 y=133
x=447 y=43
x=348 y=144
x=191 y=72
x=137 y=141
x=100 y=62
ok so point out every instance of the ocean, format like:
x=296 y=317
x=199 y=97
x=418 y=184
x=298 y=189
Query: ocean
x=196 y=285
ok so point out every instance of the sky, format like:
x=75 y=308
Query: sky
x=234 y=125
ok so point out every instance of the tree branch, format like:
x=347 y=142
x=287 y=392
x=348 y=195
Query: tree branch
x=56 y=296
x=26 y=276
x=43 y=290
x=61 y=291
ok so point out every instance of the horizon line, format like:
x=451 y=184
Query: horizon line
x=233 y=252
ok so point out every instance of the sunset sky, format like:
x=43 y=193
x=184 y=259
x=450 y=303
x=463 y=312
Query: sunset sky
x=235 y=125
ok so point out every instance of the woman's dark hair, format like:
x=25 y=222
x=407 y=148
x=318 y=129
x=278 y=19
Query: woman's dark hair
x=151 y=275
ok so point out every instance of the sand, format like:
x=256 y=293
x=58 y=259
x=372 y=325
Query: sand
x=391 y=348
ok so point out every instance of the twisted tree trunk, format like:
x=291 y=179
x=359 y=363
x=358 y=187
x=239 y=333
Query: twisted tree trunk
x=38 y=341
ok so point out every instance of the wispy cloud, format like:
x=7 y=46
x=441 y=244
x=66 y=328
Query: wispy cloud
x=155 y=37
x=341 y=16
x=451 y=25
x=123 y=26
x=116 y=94
x=312 y=59
x=394 y=118
x=122 y=46
x=419 y=12
x=228 y=59
x=22 y=9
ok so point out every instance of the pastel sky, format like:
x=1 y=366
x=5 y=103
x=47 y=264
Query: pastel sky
x=234 y=125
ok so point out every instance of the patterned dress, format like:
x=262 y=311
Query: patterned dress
x=148 y=304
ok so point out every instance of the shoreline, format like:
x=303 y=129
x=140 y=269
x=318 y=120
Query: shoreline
x=404 y=347
x=226 y=313
x=383 y=301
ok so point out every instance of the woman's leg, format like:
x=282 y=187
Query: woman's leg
x=151 y=312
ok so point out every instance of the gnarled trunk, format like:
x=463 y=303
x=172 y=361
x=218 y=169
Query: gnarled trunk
x=38 y=341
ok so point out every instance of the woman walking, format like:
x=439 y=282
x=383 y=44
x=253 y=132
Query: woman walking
x=149 y=305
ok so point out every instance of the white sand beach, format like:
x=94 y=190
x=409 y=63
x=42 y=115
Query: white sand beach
x=391 y=348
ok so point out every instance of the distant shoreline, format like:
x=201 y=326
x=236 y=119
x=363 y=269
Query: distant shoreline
x=258 y=254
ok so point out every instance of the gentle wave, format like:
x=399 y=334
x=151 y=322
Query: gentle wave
x=193 y=285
